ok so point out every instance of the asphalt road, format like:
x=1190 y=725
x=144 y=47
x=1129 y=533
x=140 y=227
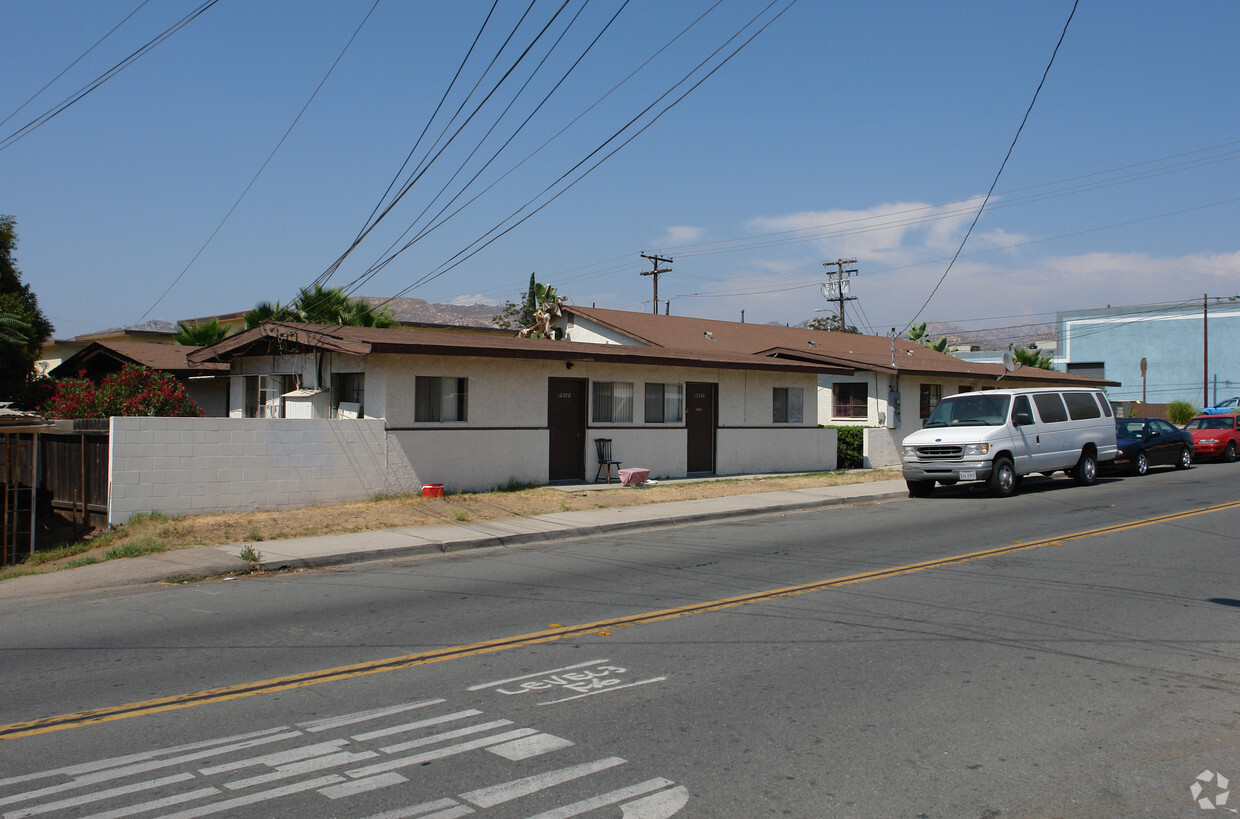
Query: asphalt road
x=1079 y=658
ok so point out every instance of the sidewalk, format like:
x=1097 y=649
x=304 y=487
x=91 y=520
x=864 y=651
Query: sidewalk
x=327 y=550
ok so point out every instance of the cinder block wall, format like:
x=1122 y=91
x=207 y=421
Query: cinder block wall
x=183 y=466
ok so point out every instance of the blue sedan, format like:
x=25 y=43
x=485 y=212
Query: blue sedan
x=1223 y=407
x=1145 y=442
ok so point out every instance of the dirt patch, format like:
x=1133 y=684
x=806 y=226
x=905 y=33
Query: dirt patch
x=388 y=513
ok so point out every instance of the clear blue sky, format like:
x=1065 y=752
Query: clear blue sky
x=844 y=129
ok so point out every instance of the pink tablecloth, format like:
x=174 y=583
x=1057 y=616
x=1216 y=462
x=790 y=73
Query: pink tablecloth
x=634 y=476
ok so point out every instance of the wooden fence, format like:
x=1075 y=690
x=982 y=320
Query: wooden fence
x=68 y=466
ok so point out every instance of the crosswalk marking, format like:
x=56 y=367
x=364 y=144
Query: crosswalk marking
x=223 y=775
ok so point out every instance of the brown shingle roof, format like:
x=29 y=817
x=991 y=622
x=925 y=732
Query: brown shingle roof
x=852 y=350
x=115 y=354
x=403 y=340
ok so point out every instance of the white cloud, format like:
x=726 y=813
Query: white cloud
x=680 y=235
x=466 y=299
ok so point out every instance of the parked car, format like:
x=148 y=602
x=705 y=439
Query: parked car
x=1215 y=436
x=1146 y=442
x=1223 y=407
x=999 y=436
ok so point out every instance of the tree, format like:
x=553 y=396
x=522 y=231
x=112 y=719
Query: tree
x=200 y=335
x=134 y=391
x=918 y=333
x=525 y=316
x=26 y=328
x=830 y=324
x=1033 y=358
x=266 y=311
x=322 y=305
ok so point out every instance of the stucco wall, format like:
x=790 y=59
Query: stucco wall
x=1171 y=342
x=182 y=466
x=776 y=450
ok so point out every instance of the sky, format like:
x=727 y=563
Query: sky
x=244 y=155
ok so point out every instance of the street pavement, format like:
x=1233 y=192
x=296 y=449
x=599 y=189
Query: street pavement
x=354 y=547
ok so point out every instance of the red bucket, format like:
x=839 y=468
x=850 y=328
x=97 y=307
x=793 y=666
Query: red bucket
x=432 y=490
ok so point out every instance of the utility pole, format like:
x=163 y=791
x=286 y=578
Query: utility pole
x=1205 y=351
x=655 y=260
x=836 y=289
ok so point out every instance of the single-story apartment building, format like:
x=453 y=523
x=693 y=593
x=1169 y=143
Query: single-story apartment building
x=887 y=384
x=475 y=411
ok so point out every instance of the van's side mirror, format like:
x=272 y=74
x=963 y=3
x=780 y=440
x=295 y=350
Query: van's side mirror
x=1022 y=418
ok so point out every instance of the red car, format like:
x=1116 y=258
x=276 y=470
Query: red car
x=1216 y=436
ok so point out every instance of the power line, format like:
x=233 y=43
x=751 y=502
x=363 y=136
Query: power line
x=263 y=167
x=1002 y=165
x=56 y=110
x=82 y=56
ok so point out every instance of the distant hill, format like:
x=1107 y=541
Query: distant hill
x=993 y=339
x=419 y=310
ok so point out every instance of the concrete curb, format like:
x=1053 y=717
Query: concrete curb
x=383 y=544
x=551 y=530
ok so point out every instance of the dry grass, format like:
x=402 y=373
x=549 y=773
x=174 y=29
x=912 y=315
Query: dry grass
x=155 y=532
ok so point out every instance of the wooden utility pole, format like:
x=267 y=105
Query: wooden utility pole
x=655 y=260
x=837 y=290
x=1205 y=352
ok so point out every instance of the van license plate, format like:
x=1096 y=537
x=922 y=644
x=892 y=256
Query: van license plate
x=968 y=475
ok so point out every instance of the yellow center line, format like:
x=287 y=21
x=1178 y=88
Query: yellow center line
x=125 y=711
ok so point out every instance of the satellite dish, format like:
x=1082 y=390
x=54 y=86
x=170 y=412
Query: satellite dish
x=1009 y=363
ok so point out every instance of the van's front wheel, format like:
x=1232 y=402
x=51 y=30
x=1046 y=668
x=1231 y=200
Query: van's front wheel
x=1085 y=473
x=1002 y=478
x=920 y=489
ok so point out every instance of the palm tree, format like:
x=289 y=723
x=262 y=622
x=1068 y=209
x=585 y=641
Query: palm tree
x=13 y=329
x=200 y=335
x=1033 y=358
x=266 y=311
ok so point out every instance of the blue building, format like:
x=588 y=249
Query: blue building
x=1173 y=339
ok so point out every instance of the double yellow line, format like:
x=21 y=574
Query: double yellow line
x=136 y=709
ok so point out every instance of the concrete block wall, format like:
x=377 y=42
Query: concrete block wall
x=184 y=466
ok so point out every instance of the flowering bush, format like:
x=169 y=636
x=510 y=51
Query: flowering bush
x=132 y=391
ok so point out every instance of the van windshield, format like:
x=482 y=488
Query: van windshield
x=975 y=409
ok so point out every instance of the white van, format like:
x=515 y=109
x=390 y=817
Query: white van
x=999 y=436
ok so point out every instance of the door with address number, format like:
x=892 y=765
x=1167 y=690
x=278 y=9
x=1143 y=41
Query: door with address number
x=566 y=425
x=701 y=421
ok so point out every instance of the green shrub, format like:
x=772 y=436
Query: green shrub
x=849 y=447
x=1181 y=412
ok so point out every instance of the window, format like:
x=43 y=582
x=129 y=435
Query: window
x=440 y=399
x=1081 y=405
x=665 y=403
x=931 y=395
x=851 y=399
x=1050 y=407
x=349 y=389
x=613 y=402
x=786 y=405
x=262 y=396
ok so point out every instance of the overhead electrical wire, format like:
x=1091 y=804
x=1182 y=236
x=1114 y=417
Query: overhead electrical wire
x=1002 y=165
x=82 y=56
x=266 y=162
x=64 y=104
x=498 y=231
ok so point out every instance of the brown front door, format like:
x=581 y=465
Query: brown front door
x=566 y=424
x=701 y=421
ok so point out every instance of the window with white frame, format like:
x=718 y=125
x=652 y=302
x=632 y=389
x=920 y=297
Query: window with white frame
x=931 y=395
x=440 y=399
x=851 y=399
x=786 y=405
x=349 y=395
x=263 y=395
x=613 y=402
x=665 y=403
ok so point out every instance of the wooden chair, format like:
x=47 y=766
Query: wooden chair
x=602 y=448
